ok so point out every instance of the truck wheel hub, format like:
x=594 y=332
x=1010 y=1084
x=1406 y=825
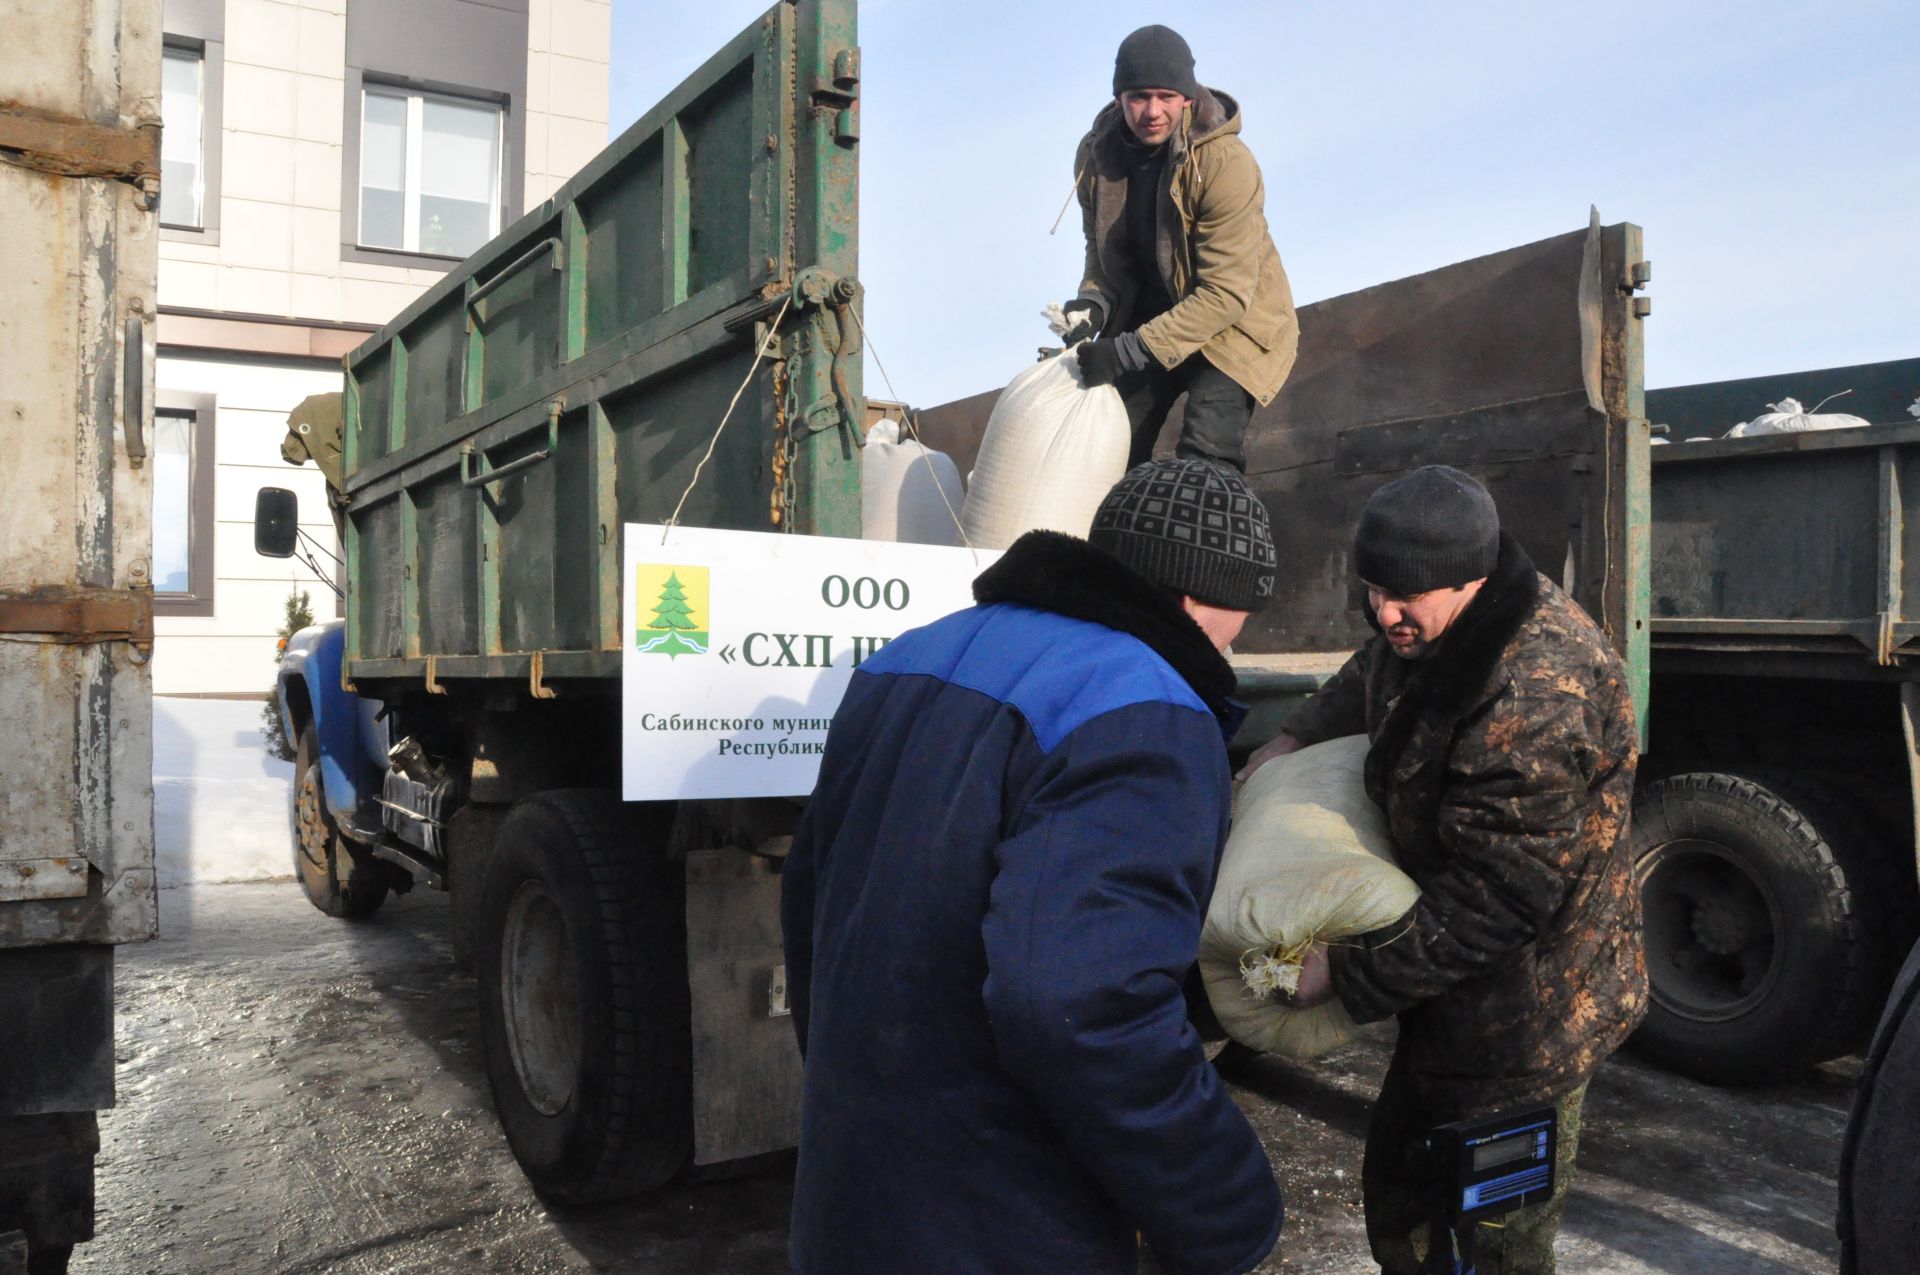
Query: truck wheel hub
x=313 y=832
x=1712 y=931
x=540 y=996
x=1719 y=928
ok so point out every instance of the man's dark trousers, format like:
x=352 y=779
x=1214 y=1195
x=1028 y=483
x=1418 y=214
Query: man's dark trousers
x=1214 y=425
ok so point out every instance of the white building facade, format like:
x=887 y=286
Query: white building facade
x=324 y=162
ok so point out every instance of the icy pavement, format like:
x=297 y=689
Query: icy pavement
x=301 y=1095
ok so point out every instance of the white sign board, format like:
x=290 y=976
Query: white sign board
x=740 y=644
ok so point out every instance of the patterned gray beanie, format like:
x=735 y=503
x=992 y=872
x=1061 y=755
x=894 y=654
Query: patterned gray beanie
x=1193 y=526
x=1437 y=528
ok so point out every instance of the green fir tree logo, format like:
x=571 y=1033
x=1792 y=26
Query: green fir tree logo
x=674 y=628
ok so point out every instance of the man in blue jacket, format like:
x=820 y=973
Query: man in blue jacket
x=995 y=896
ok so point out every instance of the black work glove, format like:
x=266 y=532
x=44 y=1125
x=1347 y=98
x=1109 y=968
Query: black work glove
x=1083 y=320
x=1104 y=361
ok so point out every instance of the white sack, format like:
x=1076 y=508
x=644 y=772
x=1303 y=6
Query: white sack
x=1053 y=449
x=909 y=492
x=1788 y=417
x=1310 y=859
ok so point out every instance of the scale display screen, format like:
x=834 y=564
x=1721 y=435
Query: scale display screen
x=1491 y=1155
x=1498 y=1164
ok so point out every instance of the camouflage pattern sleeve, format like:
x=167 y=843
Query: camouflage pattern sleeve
x=1515 y=817
x=1337 y=709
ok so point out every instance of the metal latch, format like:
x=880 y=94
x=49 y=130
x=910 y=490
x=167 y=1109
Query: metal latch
x=819 y=397
x=777 y=1006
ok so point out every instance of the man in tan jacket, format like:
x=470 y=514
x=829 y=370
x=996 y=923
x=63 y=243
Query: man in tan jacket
x=1183 y=292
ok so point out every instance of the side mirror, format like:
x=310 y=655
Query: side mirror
x=276 y=522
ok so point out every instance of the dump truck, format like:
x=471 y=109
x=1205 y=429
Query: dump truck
x=461 y=727
x=79 y=182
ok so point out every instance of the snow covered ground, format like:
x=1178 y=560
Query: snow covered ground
x=220 y=800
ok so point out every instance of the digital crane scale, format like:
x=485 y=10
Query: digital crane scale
x=1487 y=1167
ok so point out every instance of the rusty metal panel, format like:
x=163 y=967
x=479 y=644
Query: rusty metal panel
x=26 y=879
x=81 y=616
x=76 y=300
x=64 y=146
x=746 y=1063
x=1518 y=367
x=1796 y=542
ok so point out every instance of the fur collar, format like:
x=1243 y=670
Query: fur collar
x=1451 y=680
x=1063 y=574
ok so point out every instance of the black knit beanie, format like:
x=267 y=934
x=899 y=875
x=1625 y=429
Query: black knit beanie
x=1192 y=526
x=1436 y=528
x=1155 y=57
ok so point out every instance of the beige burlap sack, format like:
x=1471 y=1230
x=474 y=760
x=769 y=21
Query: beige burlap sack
x=1054 y=447
x=909 y=493
x=1310 y=859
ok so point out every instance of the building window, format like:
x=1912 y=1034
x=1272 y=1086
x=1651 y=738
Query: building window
x=429 y=172
x=183 y=114
x=183 y=504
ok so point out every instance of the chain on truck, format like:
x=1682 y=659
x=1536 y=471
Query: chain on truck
x=461 y=726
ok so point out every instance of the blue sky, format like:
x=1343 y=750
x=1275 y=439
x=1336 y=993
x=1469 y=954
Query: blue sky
x=1771 y=152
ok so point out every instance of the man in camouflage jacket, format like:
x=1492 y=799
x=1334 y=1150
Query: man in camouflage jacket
x=1503 y=753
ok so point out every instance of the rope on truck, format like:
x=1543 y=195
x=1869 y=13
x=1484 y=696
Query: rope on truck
x=726 y=416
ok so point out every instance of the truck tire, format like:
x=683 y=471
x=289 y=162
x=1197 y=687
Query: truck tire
x=584 y=1008
x=335 y=876
x=1766 y=923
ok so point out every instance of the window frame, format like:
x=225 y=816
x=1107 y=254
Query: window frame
x=411 y=191
x=212 y=101
x=416 y=93
x=198 y=599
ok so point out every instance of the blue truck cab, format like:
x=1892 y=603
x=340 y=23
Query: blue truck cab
x=340 y=747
